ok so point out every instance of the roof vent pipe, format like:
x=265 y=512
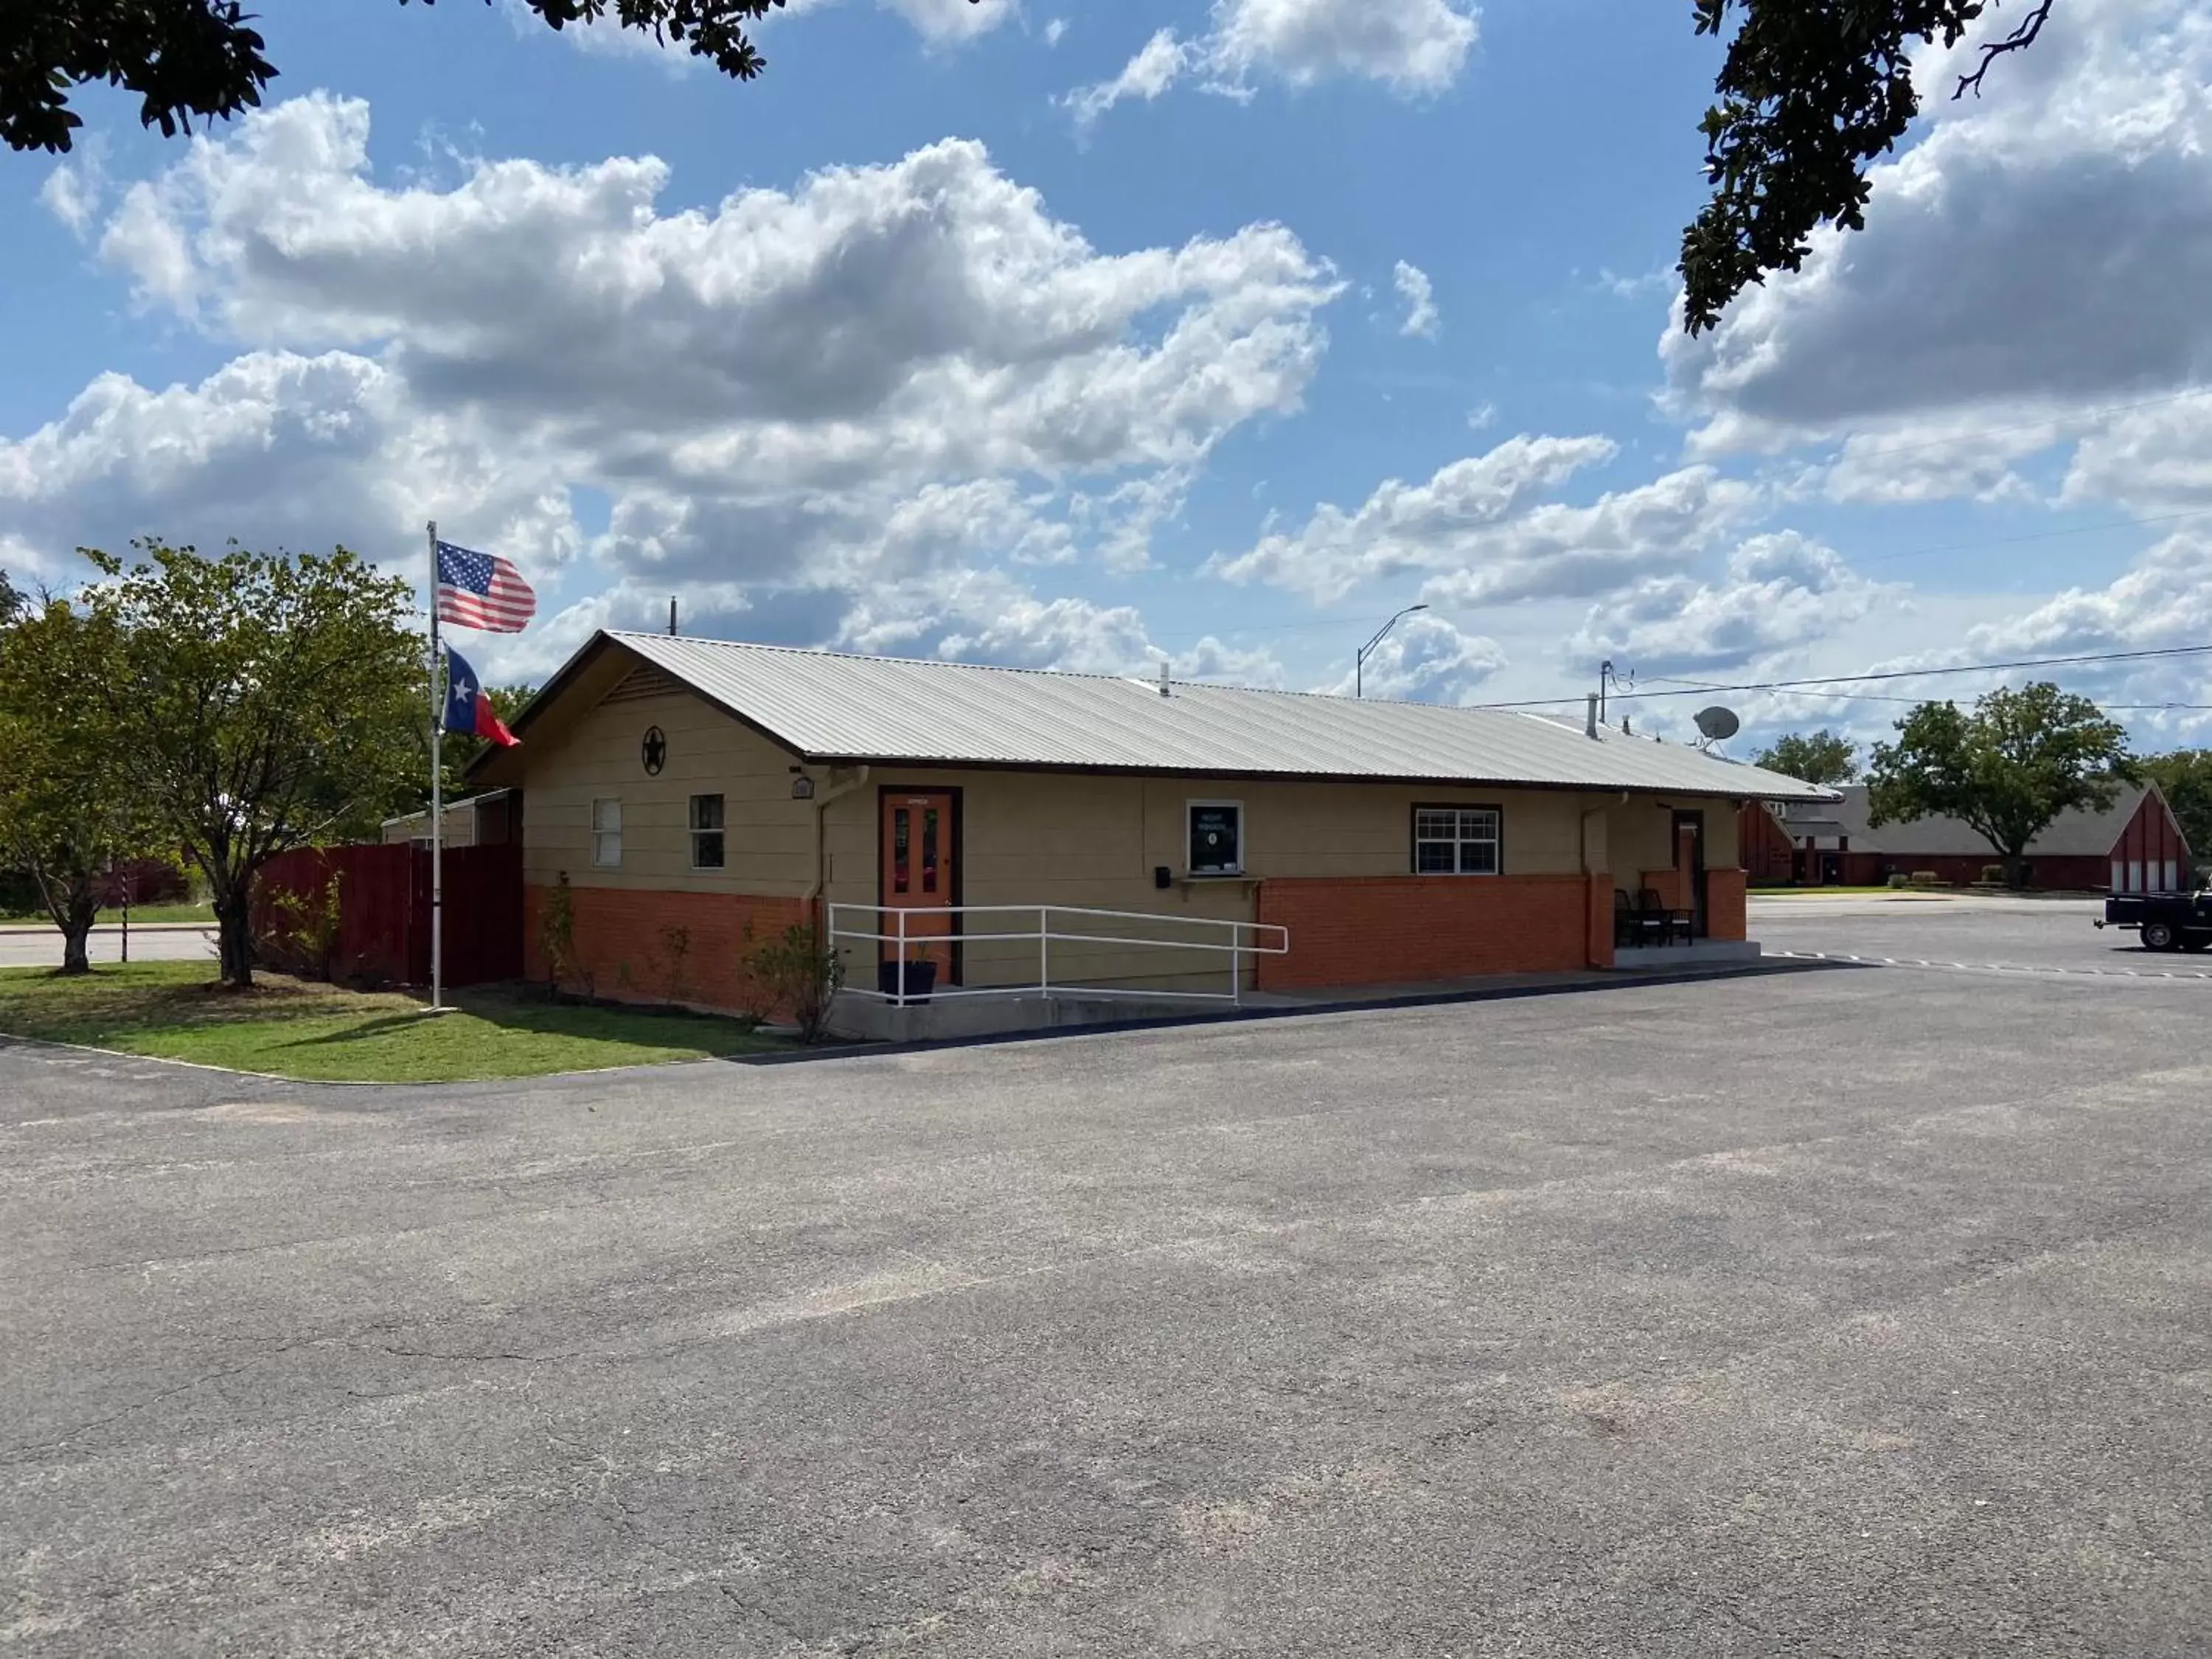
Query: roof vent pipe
x=1164 y=676
x=1589 y=719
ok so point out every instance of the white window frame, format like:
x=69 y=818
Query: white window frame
x=719 y=829
x=1190 y=808
x=1458 y=841
x=606 y=838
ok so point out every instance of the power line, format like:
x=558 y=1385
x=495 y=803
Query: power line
x=2164 y=652
x=1876 y=696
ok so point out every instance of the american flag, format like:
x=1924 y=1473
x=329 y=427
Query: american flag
x=481 y=591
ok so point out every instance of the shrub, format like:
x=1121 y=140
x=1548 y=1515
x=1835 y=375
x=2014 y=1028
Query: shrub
x=792 y=975
x=1993 y=875
x=677 y=941
x=1926 y=878
x=556 y=934
x=306 y=926
x=1900 y=879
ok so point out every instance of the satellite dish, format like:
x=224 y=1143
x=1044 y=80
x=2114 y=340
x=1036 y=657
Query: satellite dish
x=1718 y=724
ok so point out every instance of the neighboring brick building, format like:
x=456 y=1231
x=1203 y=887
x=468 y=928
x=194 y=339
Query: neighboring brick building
x=698 y=796
x=2135 y=847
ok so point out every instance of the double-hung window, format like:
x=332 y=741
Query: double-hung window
x=1457 y=840
x=705 y=832
x=606 y=833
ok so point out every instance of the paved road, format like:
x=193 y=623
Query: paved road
x=1852 y=1312
x=34 y=948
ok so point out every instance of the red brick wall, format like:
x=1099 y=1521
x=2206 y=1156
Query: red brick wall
x=1763 y=845
x=1387 y=930
x=1724 y=904
x=1598 y=920
x=621 y=943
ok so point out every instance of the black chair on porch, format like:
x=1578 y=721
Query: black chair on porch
x=1669 y=924
x=1632 y=926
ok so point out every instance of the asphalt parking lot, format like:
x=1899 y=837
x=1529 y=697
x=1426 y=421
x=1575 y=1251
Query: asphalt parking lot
x=1969 y=932
x=1843 y=1310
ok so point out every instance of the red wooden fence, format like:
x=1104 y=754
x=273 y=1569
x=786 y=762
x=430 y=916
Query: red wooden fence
x=384 y=909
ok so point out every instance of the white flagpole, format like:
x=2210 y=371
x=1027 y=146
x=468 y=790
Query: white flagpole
x=437 y=795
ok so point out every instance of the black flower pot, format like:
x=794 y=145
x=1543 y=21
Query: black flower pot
x=921 y=979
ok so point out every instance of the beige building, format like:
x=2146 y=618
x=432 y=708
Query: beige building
x=1022 y=828
x=484 y=820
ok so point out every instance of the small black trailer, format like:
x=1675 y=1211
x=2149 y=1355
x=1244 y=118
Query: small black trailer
x=2164 y=921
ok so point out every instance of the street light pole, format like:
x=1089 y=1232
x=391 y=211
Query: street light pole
x=1359 y=662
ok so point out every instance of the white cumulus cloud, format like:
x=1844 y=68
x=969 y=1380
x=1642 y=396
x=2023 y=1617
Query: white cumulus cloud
x=907 y=380
x=1421 y=318
x=1415 y=47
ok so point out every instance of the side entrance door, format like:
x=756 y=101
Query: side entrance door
x=1689 y=863
x=921 y=876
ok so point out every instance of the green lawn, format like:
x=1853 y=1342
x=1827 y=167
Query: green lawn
x=319 y=1033
x=145 y=912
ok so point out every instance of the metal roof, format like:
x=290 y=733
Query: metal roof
x=2072 y=833
x=824 y=705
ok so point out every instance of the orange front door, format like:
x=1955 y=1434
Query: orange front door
x=920 y=875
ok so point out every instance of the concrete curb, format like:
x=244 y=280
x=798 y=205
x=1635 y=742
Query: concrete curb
x=1236 y=1015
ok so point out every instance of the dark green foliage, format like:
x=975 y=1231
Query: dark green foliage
x=1811 y=91
x=1819 y=757
x=202 y=60
x=2007 y=769
x=2185 y=776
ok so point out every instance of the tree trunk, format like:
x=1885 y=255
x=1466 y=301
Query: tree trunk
x=235 y=938
x=75 y=908
x=77 y=933
x=2015 y=869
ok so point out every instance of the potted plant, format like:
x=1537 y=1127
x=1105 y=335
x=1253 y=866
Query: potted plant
x=920 y=974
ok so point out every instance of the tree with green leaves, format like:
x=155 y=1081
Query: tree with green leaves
x=1811 y=92
x=2007 y=769
x=266 y=702
x=1819 y=757
x=12 y=603
x=69 y=811
x=189 y=60
x=2184 y=777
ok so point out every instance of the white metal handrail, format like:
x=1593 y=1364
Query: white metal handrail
x=1237 y=946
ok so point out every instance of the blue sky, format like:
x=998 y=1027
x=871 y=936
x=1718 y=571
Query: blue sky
x=1078 y=339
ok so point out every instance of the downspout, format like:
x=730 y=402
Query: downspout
x=810 y=899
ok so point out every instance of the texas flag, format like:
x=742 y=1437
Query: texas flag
x=468 y=711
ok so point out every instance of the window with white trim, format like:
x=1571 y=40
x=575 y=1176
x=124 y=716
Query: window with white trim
x=706 y=832
x=606 y=833
x=1458 y=841
x=1215 y=842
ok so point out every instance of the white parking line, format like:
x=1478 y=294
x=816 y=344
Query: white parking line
x=1992 y=966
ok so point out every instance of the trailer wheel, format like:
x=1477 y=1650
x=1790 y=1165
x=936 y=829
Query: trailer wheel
x=2158 y=936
